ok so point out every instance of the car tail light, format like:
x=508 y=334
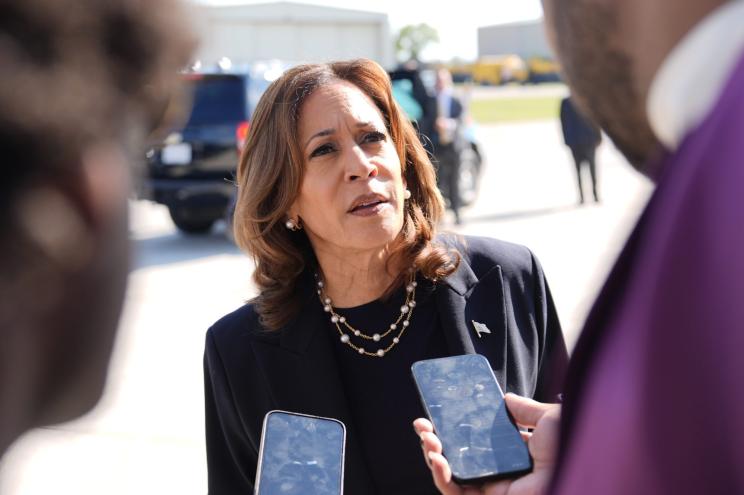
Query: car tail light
x=241 y=132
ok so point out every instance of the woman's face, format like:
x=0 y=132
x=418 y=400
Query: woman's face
x=351 y=197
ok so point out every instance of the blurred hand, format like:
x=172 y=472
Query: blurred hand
x=542 y=444
x=446 y=128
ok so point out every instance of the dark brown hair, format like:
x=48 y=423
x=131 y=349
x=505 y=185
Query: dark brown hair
x=270 y=175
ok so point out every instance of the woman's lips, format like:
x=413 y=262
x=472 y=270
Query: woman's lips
x=368 y=204
x=369 y=209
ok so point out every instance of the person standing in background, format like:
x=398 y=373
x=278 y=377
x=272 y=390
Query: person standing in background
x=446 y=142
x=582 y=136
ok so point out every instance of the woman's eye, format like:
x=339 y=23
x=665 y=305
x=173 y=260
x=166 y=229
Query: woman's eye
x=322 y=150
x=374 y=137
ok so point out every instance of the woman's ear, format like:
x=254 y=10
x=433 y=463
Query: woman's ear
x=292 y=219
x=294 y=210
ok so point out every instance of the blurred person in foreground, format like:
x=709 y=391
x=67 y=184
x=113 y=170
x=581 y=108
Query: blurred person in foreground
x=582 y=136
x=338 y=205
x=653 y=401
x=82 y=83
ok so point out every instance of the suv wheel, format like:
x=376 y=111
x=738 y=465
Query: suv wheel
x=189 y=224
x=469 y=174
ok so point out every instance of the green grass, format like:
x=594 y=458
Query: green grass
x=498 y=110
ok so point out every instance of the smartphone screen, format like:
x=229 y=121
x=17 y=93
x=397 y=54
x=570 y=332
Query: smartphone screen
x=300 y=454
x=466 y=406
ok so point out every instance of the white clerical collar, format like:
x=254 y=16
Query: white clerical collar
x=693 y=75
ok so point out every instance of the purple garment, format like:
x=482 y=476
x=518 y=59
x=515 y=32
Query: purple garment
x=655 y=392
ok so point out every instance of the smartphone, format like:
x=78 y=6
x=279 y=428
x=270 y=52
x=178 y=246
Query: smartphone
x=300 y=454
x=466 y=406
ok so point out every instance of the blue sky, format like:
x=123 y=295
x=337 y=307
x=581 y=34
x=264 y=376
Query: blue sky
x=456 y=21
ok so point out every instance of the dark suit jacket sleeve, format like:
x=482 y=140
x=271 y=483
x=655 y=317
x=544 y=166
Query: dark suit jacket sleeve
x=456 y=108
x=231 y=459
x=553 y=357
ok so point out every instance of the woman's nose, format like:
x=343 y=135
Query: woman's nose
x=359 y=166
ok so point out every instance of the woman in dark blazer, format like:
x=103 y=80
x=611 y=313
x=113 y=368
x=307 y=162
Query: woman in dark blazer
x=338 y=206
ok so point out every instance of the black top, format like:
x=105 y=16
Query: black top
x=249 y=371
x=381 y=393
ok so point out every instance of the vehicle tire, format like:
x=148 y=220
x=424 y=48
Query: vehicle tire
x=469 y=170
x=189 y=224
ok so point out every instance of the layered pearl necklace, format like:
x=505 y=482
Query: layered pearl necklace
x=346 y=331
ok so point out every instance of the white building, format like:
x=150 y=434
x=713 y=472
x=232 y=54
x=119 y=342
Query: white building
x=526 y=39
x=292 y=32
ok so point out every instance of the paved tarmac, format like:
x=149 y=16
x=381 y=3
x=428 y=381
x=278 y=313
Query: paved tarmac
x=147 y=434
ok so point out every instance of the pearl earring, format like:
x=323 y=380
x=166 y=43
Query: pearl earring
x=291 y=225
x=407 y=194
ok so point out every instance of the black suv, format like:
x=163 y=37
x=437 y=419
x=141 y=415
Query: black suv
x=192 y=171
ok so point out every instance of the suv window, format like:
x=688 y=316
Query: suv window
x=218 y=99
x=256 y=89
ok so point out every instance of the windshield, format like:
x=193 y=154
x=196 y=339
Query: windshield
x=403 y=94
x=217 y=99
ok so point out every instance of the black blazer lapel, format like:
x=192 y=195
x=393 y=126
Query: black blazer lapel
x=451 y=303
x=302 y=376
x=462 y=299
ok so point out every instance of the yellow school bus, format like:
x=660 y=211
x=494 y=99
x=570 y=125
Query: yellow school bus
x=501 y=69
x=543 y=69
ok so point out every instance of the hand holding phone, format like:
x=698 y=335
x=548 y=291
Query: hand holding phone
x=300 y=454
x=465 y=404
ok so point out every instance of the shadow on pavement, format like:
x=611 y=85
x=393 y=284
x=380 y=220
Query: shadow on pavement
x=521 y=214
x=176 y=247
